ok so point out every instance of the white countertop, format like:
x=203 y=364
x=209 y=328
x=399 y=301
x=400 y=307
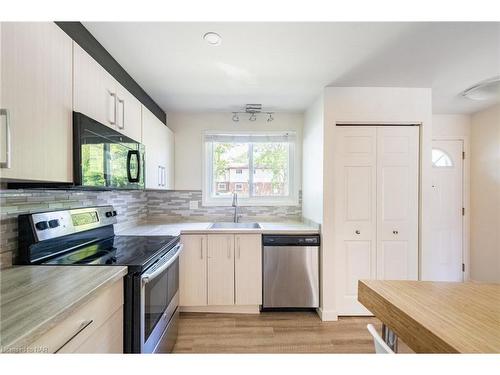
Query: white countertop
x=175 y=229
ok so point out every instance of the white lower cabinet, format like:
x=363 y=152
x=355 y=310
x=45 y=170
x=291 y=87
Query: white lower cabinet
x=248 y=264
x=96 y=327
x=221 y=270
x=193 y=271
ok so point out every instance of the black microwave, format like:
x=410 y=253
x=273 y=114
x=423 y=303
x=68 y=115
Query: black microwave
x=103 y=158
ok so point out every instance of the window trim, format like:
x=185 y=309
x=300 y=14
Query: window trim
x=293 y=165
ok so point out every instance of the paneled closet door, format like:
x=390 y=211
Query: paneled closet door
x=397 y=202
x=355 y=213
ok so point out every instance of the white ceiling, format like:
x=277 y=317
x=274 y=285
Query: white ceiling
x=284 y=66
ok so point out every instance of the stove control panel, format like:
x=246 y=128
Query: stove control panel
x=48 y=225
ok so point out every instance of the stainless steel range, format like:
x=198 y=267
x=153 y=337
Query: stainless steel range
x=86 y=237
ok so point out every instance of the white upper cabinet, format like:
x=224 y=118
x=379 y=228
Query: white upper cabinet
x=159 y=142
x=99 y=96
x=36 y=102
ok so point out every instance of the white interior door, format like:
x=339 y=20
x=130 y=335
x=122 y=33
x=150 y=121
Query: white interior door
x=355 y=213
x=447 y=219
x=397 y=202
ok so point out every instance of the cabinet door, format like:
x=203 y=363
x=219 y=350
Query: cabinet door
x=36 y=87
x=94 y=89
x=151 y=134
x=193 y=271
x=220 y=269
x=170 y=161
x=128 y=114
x=355 y=200
x=248 y=269
x=397 y=203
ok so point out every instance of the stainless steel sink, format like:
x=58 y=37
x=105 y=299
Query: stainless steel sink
x=229 y=225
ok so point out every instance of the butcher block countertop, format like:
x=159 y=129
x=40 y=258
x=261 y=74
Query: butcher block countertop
x=437 y=317
x=33 y=299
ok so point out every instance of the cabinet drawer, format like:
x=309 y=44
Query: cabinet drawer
x=108 y=338
x=74 y=331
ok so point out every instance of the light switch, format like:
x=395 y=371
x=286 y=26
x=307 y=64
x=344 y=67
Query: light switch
x=193 y=205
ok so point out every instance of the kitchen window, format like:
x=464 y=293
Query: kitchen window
x=259 y=167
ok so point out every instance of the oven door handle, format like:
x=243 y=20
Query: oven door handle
x=148 y=276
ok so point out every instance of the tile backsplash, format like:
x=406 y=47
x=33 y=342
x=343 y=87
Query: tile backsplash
x=132 y=206
x=174 y=206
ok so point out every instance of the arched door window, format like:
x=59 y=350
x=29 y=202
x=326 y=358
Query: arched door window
x=441 y=159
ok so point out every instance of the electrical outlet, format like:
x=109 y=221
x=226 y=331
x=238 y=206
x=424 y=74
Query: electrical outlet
x=193 y=205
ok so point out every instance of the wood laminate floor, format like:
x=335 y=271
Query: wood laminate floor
x=274 y=332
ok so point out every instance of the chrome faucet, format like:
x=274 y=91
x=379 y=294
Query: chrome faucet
x=235 y=205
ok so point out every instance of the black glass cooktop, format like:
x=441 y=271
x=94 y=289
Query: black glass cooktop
x=132 y=251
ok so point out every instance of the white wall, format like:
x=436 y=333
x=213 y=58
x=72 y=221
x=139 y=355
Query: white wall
x=485 y=195
x=189 y=127
x=312 y=162
x=457 y=127
x=370 y=105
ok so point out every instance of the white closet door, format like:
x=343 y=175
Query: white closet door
x=355 y=202
x=397 y=202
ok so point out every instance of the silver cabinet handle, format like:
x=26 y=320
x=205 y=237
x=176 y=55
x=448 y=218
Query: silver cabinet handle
x=122 y=102
x=358 y=232
x=201 y=248
x=163 y=176
x=395 y=232
x=159 y=175
x=5 y=113
x=113 y=95
x=82 y=326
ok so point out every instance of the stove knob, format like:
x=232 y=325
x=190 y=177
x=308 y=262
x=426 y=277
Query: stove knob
x=41 y=225
x=53 y=223
x=109 y=214
x=114 y=213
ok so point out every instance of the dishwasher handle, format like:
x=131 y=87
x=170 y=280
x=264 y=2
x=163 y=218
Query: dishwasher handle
x=291 y=240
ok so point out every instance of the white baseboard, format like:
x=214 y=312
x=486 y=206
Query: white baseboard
x=327 y=316
x=236 y=309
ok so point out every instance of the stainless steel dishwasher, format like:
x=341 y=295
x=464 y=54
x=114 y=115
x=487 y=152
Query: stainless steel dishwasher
x=290 y=271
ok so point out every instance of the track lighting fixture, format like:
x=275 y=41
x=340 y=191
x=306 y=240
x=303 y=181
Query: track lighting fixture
x=253 y=110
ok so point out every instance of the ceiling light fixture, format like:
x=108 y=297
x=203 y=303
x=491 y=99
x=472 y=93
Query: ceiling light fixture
x=485 y=90
x=254 y=110
x=212 y=38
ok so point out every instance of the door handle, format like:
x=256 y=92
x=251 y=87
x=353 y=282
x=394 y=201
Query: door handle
x=122 y=102
x=82 y=326
x=201 y=248
x=113 y=95
x=129 y=173
x=4 y=112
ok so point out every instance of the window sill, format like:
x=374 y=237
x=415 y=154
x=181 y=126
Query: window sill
x=242 y=202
